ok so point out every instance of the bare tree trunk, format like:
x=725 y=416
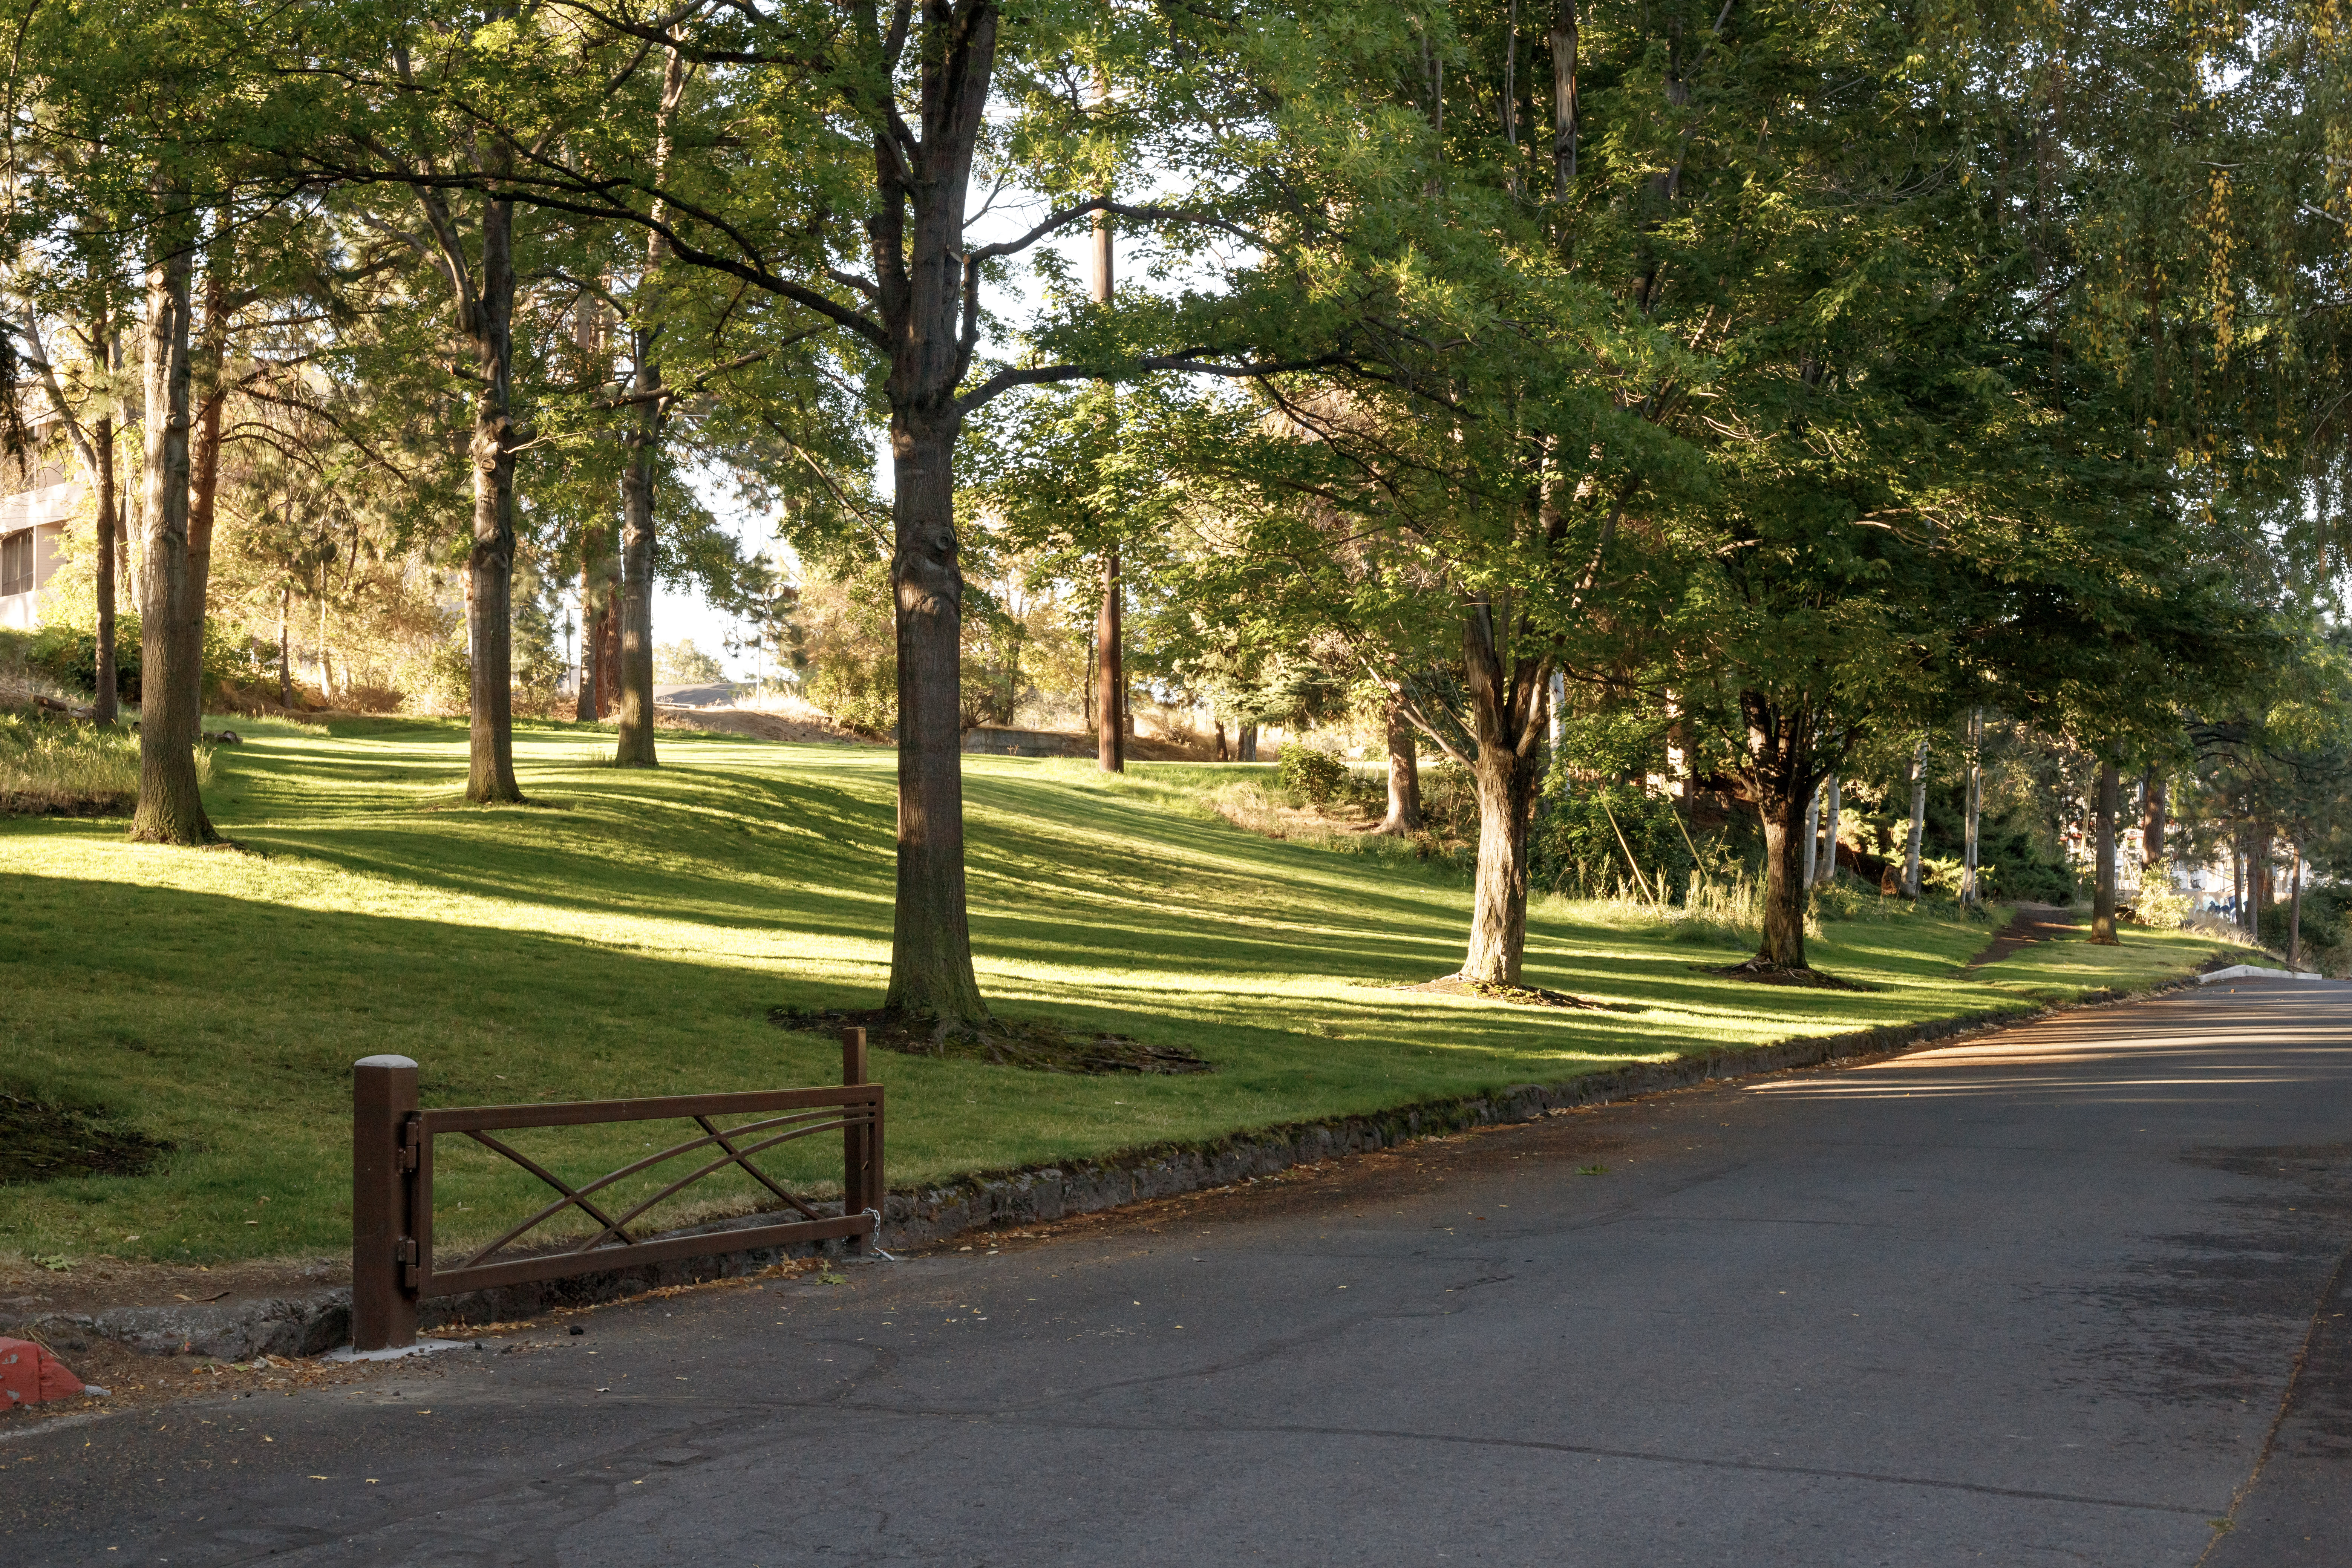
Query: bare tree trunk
x=1916 y=837
x=635 y=745
x=326 y=659
x=2294 y=914
x=930 y=950
x=1563 y=96
x=204 y=484
x=285 y=646
x=1831 y=802
x=1506 y=701
x=1783 y=819
x=1813 y=839
x=104 y=705
x=1245 y=743
x=1110 y=641
x=1970 y=893
x=635 y=609
x=490 y=774
x=2152 y=825
x=2103 y=892
x=171 y=805
x=1111 y=671
x=608 y=649
x=1780 y=781
x=1404 y=775
x=591 y=545
x=1499 y=915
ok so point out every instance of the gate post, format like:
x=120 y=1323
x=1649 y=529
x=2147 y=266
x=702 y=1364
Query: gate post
x=856 y=1142
x=384 y=1301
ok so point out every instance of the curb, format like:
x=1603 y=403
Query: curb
x=319 y=1322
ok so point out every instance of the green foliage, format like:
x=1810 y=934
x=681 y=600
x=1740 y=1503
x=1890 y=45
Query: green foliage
x=681 y=663
x=1312 y=777
x=1589 y=838
x=2159 y=906
x=68 y=655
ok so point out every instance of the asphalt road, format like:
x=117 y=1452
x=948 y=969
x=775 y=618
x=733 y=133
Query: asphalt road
x=2072 y=1294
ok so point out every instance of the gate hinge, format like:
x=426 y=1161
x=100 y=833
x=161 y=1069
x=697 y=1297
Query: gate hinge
x=403 y=1252
x=411 y=1136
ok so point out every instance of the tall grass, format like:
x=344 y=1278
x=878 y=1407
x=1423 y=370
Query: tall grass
x=51 y=765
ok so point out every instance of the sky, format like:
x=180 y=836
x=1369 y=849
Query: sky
x=685 y=612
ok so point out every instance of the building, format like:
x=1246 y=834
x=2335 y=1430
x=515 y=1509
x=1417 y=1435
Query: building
x=33 y=518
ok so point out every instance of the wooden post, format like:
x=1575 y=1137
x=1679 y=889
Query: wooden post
x=856 y=1142
x=384 y=1303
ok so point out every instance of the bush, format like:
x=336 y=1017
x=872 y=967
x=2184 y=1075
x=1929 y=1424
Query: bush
x=1311 y=777
x=2160 y=906
x=1583 y=830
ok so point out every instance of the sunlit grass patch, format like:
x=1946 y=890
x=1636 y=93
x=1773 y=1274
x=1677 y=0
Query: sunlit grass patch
x=630 y=932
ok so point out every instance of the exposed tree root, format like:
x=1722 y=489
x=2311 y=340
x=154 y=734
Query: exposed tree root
x=1763 y=973
x=1518 y=996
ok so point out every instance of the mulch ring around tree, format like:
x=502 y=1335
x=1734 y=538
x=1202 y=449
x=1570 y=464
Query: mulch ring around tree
x=1037 y=1043
x=1757 y=972
x=44 y=1143
x=1517 y=996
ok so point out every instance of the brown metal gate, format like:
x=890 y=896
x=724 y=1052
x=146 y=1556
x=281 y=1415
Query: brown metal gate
x=393 y=1265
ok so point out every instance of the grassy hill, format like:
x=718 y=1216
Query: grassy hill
x=630 y=932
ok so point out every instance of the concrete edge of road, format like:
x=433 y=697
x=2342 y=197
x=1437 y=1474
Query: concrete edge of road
x=314 y=1322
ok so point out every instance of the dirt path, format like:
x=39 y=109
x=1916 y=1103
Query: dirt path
x=2031 y=923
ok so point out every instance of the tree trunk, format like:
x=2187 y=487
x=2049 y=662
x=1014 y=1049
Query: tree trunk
x=326 y=660
x=285 y=646
x=1498 y=916
x=1563 y=96
x=1404 y=775
x=1812 y=838
x=1970 y=893
x=2103 y=894
x=608 y=645
x=1784 y=820
x=1832 y=803
x=2258 y=873
x=1913 y=840
x=1780 y=781
x=204 y=484
x=591 y=548
x=930 y=950
x=1506 y=701
x=171 y=805
x=1110 y=643
x=2295 y=916
x=491 y=775
x=2152 y=824
x=1110 y=673
x=635 y=747
x=103 y=707
x=1245 y=743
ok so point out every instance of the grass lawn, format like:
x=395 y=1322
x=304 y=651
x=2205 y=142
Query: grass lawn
x=629 y=932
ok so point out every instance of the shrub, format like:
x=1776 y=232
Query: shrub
x=2160 y=906
x=1311 y=777
x=1583 y=830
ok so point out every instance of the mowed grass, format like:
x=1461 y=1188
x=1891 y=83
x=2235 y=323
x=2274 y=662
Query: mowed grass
x=629 y=932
